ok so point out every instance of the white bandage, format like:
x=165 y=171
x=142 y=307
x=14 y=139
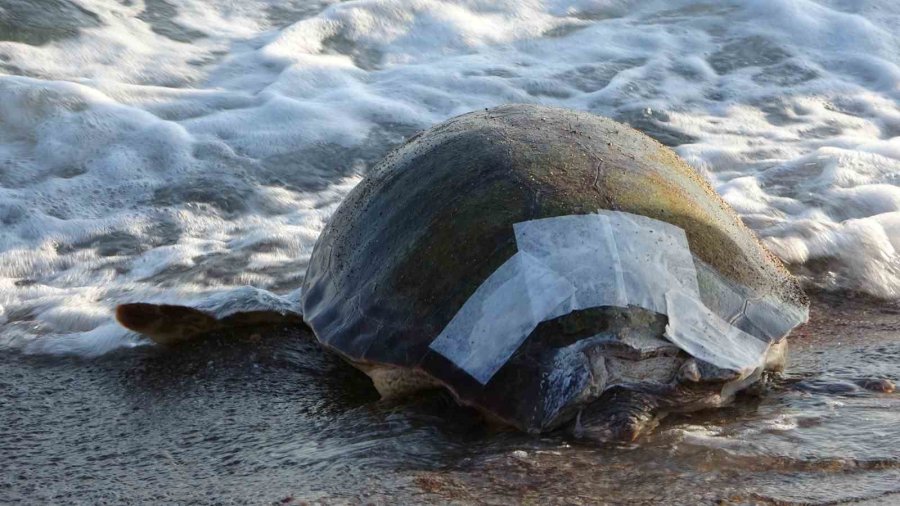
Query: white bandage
x=610 y=258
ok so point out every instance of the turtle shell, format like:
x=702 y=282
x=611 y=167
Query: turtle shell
x=433 y=220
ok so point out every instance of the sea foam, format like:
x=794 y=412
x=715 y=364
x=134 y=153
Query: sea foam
x=172 y=151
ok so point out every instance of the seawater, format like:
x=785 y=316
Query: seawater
x=163 y=151
x=154 y=150
x=267 y=416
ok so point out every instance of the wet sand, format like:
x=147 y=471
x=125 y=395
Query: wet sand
x=268 y=416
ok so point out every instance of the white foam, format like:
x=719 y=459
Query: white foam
x=204 y=150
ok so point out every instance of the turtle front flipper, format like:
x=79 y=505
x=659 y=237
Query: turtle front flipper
x=619 y=415
x=166 y=323
x=244 y=307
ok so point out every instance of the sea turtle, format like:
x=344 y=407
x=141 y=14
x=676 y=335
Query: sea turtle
x=546 y=266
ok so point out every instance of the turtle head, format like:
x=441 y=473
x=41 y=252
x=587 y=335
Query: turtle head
x=163 y=323
x=619 y=416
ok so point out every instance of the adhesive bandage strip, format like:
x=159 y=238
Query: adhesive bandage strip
x=501 y=313
x=610 y=258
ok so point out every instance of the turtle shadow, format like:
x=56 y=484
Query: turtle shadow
x=289 y=364
x=274 y=360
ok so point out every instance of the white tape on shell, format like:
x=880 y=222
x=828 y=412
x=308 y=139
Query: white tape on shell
x=578 y=248
x=704 y=335
x=501 y=313
x=611 y=258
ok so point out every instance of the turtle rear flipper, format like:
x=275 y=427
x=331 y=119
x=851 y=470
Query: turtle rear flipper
x=243 y=307
x=620 y=415
x=166 y=323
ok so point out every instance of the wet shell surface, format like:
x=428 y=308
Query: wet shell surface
x=414 y=241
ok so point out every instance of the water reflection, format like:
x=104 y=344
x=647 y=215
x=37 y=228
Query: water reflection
x=267 y=415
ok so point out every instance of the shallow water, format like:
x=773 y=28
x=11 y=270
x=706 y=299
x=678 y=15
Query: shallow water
x=258 y=419
x=166 y=150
